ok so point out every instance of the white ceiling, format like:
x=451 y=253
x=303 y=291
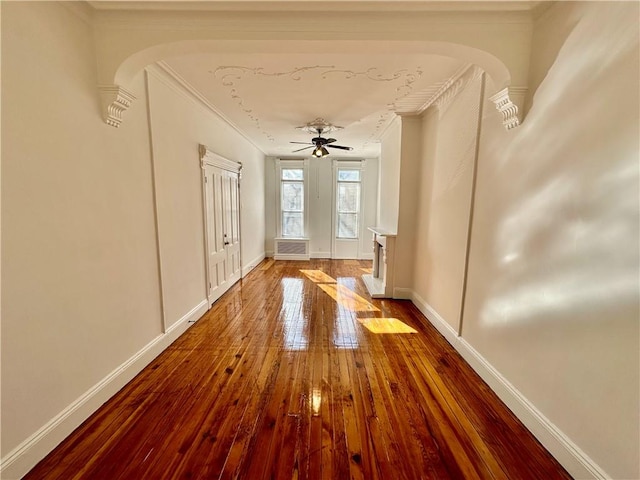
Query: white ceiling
x=267 y=94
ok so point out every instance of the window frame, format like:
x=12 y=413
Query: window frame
x=347 y=165
x=284 y=164
x=356 y=212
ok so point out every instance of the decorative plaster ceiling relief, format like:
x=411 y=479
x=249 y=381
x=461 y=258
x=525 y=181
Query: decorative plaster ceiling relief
x=267 y=96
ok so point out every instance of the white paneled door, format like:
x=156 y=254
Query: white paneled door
x=222 y=220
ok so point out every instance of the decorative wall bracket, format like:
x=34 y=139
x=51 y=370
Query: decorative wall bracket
x=509 y=102
x=115 y=100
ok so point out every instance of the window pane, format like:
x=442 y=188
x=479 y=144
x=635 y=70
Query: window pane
x=348 y=175
x=292 y=174
x=292 y=224
x=348 y=197
x=292 y=196
x=347 y=225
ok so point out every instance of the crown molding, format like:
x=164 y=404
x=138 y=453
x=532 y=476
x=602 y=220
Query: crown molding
x=115 y=100
x=314 y=6
x=171 y=78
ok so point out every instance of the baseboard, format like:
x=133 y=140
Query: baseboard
x=570 y=456
x=291 y=257
x=320 y=254
x=435 y=319
x=26 y=455
x=253 y=264
x=402 y=293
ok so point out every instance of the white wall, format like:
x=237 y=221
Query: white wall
x=409 y=170
x=82 y=308
x=442 y=229
x=553 y=278
x=79 y=263
x=370 y=195
x=321 y=191
x=320 y=206
x=551 y=312
x=389 y=177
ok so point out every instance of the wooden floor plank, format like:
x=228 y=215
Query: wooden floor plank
x=281 y=379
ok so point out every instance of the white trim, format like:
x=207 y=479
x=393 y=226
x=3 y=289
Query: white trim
x=358 y=165
x=253 y=264
x=320 y=255
x=436 y=320
x=402 y=293
x=291 y=257
x=156 y=208
x=281 y=163
x=26 y=455
x=209 y=157
x=570 y=456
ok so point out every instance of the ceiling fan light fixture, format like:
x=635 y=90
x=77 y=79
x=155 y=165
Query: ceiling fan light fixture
x=320 y=151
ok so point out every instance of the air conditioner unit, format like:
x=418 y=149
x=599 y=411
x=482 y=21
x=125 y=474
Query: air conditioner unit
x=291 y=249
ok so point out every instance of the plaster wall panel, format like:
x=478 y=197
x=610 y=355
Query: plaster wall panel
x=552 y=298
x=79 y=260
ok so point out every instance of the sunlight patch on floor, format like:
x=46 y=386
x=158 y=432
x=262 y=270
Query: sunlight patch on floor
x=318 y=276
x=386 y=325
x=348 y=299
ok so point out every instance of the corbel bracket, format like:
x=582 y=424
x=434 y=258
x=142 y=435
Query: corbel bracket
x=509 y=102
x=115 y=100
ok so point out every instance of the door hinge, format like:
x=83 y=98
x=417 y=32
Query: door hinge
x=209 y=285
x=205 y=180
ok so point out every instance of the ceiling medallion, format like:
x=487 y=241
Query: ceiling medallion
x=319 y=125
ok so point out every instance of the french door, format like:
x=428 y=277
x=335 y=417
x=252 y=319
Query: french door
x=347 y=209
x=221 y=180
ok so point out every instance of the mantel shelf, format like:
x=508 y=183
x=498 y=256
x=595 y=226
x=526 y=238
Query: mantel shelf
x=382 y=232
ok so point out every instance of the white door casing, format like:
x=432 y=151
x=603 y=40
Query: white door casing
x=221 y=186
x=346 y=248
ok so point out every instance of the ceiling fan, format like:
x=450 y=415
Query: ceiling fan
x=319 y=144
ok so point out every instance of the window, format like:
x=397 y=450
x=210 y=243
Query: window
x=292 y=199
x=348 y=203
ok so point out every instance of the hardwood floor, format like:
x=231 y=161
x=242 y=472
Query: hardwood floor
x=283 y=378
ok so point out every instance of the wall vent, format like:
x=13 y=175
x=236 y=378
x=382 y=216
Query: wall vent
x=291 y=249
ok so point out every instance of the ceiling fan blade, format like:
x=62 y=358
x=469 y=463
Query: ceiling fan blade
x=303 y=143
x=303 y=148
x=340 y=147
x=330 y=140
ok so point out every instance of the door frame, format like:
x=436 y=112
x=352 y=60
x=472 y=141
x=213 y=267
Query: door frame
x=210 y=158
x=352 y=165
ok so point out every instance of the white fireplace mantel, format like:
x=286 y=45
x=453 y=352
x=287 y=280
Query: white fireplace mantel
x=380 y=282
